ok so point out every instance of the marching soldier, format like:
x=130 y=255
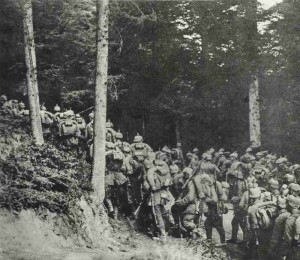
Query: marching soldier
x=158 y=183
x=238 y=187
x=185 y=208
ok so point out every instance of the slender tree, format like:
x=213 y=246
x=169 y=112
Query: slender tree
x=100 y=102
x=252 y=52
x=32 y=84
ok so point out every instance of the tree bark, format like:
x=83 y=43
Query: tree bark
x=31 y=75
x=177 y=131
x=254 y=114
x=252 y=53
x=100 y=102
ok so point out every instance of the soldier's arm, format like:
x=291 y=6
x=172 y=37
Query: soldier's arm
x=189 y=197
x=199 y=192
x=150 y=178
x=214 y=197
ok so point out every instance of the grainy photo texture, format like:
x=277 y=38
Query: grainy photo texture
x=149 y=130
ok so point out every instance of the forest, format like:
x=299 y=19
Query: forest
x=178 y=71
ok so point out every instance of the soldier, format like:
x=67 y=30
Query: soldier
x=214 y=218
x=47 y=121
x=139 y=146
x=3 y=99
x=158 y=183
x=177 y=181
x=293 y=207
x=69 y=131
x=210 y=168
x=89 y=130
x=247 y=156
x=295 y=252
x=20 y=112
x=115 y=184
x=278 y=230
x=238 y=187
x=194 y=161
x=295 y=170
x=178 y=156
x=185 y=208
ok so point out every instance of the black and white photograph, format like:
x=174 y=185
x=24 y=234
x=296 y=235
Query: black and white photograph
x=149 y=130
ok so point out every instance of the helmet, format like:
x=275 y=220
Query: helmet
x=126 y=149
x=188 y=170
x=195 y=150
x=109 y=124
x=21 y=105
x=208 y=157
x=249 y=150
x=43 y=107
x=78 y=116
x=4 y=97
x=56 y=108
x=110 y=145
x=91 y=115
x=235 y=155
x=138 y=138
x=69 y=113
x=119 y=135
x=174 y=169
x=254 y=193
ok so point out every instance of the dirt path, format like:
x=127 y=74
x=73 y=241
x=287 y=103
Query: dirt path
x=133 y=245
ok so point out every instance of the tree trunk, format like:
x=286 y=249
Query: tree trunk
x=177 y=131
x=252 y=53
x=32 y=84
x=254 y=115
x=100 y=102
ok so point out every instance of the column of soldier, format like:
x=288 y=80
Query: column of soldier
x=169 y=195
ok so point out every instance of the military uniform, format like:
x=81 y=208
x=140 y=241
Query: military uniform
x=160 y=196
x=184 y=210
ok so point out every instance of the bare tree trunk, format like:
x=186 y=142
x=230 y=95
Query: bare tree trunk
x=177 y=131
x=100 y=102
x=252 y=53
x=32 y=84
x=144 y=126
x=254 y=115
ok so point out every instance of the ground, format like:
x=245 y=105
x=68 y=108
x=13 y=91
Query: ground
x=127 y=244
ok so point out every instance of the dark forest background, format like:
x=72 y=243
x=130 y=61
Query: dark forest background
x=177 y=70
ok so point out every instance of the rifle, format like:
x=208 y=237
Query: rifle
x=86 y=110
x=195 y=171
x=137 y=211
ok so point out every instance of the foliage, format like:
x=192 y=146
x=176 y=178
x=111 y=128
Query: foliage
x=189 y=61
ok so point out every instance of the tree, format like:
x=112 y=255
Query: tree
x=252 y=52
x=100 y=102
x=32 y=84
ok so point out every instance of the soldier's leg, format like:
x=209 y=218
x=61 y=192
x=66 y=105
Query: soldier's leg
x=208 y=225
x=235 y=228
x=243 y=225
x=188 y=222
x=159 y=221
x=218 y=224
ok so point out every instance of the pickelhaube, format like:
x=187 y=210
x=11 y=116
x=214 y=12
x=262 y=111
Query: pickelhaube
x=254 y=193
x=119 y=135
x=91 y=115
x=138 y=138
x=110 y=145
x=4 y=97
x=109 y=124
x=174 y=168
x=21 y=105
x=56 y=108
